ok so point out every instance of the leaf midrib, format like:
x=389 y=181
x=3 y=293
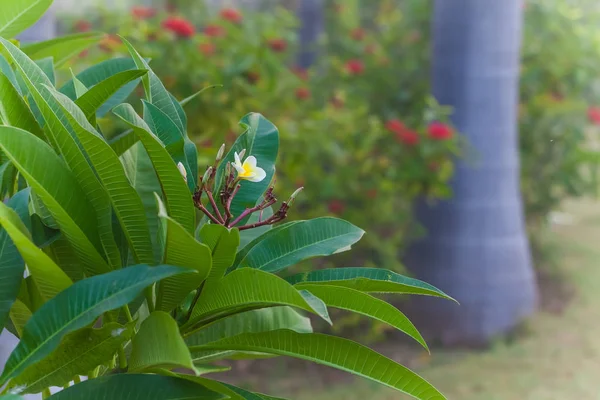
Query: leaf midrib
x=9 y=23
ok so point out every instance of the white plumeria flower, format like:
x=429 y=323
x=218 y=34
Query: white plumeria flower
x=182 y=170
x=248 y=170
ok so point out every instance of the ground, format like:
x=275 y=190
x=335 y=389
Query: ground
x=554 y=356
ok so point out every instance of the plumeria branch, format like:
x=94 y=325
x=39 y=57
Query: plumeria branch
x=234 y=174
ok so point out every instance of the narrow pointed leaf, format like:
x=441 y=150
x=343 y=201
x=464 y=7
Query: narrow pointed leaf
x=77 y=354
x=123 y=141
x=125 y=201
x=100 y=72
x=178 y=199
x=18 y=15
x=80 y=88
x=78 y=306
x=373 y=280
x=335 y=352
x=261 y=140
x=156 y=93
x=293 y=243
x=59 y=190
x=13 y=109
x=19 y=315
x=158 y=344
x=12 y=264
x=137 y=387
x=222 y=243
x=99 y=94
x=182 y=250
x=188 y=99
x=63 y=48
x=48 y=277
x=243 y=290
x=365 y=304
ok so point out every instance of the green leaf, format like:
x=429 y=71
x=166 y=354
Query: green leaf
x=137 y=387
x=185 y=101
x=48 y=277
x=63 y=255
x=63 y=48
x=293 y=243
x=335 y=352
x=11 y=397
x=232 y=392
x=19 y=315
x=178 y=198
x=158 y=344
x=80 y=88
x=100 y=93
x=18 y=15
x=59 y=190
x=14 y=111
x=182 y=250
x=156 y=92
x=12 y=264
x=262 y=320
x=6 y=70
x=243 y=290
x=222 y=242
x=125 y=201
x=78 y=306
x=373 y=280
x=47 y=67
x=100 y=72
x=123 y=141
x=365 y=304
x=261 y=140
x=77 y=354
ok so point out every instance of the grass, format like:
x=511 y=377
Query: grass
x=556 y=358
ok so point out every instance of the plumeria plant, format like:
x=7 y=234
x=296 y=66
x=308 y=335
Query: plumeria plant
x=331 y=115
x=120 y=265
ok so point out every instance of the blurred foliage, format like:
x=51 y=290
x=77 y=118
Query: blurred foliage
x=557 y=113
x=361 y=150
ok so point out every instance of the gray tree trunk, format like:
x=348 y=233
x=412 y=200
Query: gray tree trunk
x=476 y=248
x=310 y=13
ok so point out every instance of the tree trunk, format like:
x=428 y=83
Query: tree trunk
x=476 y=248
x=310 y=13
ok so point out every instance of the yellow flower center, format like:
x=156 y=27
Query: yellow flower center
x=248 y=171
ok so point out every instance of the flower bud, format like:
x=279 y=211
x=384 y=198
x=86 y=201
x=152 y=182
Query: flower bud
x=221 y=152
x=182 y=170
x=293 y=196
x=207 y=174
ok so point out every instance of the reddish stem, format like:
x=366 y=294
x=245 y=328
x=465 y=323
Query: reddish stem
x=215 y=208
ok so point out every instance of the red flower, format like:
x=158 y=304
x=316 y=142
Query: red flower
x=252 y=76
x=439 y=131
x=110 y=43
x=302 y=93
x=395 y=126
x=83 y=26
x=180 y=26
x=355 y=67
x=408 y=137
x=208 y=49
x=142 y=12
x=300 y=72
x=594 y=115
x=277 y=45
x=336 y=206
x=84 y=54
x=372 y=193
x=358 y=34
x=231 y=15
x=214 y=30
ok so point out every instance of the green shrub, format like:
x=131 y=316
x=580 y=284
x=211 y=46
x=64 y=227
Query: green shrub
x=139 y=273
x=360 y=155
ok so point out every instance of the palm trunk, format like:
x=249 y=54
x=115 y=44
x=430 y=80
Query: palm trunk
x=476 y=248
x=310 y=14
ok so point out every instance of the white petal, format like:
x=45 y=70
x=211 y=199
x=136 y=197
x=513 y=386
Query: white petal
x=237 y=162
x=250 y=161
x=238 y=168
x=259 y=175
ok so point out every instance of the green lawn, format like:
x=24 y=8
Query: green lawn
x=557 y=358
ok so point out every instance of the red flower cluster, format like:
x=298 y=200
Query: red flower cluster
x=300 y=73
x=594 y=115
x=277 y=45
x=231 y=15
x=358 y=34
x=214 y=30
x=142 y=12
x=180 y=26
x=83 y=26
x=355 y=67
x=302 y=93
x=208 y=49
x=439 y=131
x=110 y=43
x=402 y=133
